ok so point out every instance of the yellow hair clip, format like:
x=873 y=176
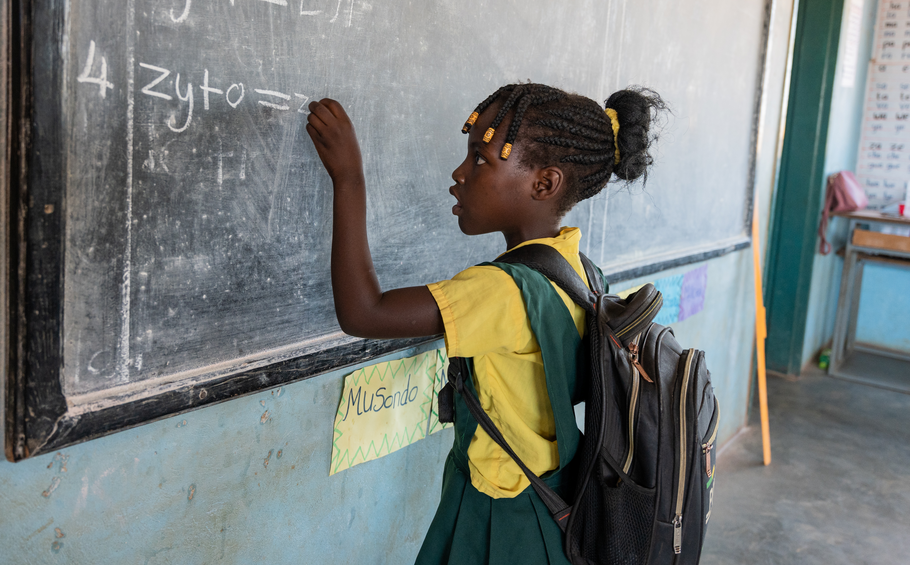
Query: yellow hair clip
x=506 y=151
x=470 y=122
x=488 y=135
x=614 y=121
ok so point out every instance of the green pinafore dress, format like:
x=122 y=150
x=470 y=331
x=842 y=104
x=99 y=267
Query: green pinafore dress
x=471 y=528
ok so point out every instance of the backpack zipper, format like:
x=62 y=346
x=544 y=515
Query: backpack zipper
x=656 y=304
x=708 y=446
x=680 y=491
x=636 y=362
x=633 y=402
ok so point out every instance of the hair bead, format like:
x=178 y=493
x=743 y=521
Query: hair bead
x=470 y=122
x=506 y=151
x=488 y=135
x=614 y=121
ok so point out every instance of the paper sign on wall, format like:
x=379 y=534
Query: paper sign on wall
x=692 y=293
x=883 y=159
x=671 y=289
x=386 y=407
x=442 y=365
x=683 y=295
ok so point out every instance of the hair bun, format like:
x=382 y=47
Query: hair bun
x=635 y=108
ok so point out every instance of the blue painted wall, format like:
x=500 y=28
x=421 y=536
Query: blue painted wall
x=884 y=315
x=223 y=484
x=842 y=145
x=884 y=307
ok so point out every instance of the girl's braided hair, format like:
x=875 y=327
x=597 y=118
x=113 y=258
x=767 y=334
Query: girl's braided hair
x=574 y=132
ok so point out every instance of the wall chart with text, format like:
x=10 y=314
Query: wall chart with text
x=883 y=163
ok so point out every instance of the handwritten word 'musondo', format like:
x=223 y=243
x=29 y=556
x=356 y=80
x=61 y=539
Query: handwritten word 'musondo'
x=364 y=402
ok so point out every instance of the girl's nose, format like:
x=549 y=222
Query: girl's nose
x=458 y=175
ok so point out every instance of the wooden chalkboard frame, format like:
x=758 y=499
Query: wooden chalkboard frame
x=32 y=253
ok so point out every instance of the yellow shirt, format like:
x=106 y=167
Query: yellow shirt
x=485 y=318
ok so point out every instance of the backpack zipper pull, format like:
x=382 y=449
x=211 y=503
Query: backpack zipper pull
x=633 y=351
x=677 y=534
x=706 y=449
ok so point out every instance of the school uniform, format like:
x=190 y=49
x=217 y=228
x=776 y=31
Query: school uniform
x=523 y=369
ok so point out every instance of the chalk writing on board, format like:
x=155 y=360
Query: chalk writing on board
x=163 y=74
x=229 y=161
x=305 y=10
x=206 y=89
x=178 y=99
x=155 y=84
x=238 y=95
x=101 y=79
x=280 y=95
x=183 y=15
x=186 y=98
x=350 y=13
x=302 y=108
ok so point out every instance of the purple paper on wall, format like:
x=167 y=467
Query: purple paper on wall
x=692 y=297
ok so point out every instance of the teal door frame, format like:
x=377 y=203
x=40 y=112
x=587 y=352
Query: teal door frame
x=800 y=185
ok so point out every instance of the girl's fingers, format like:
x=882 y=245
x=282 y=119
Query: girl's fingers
x=317 y=139
x=320 y=111
x=313 y=118
x=314 y=134
x=335 y=108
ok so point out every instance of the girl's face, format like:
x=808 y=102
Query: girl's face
x=491 y=194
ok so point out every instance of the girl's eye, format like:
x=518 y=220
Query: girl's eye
x=478 y=159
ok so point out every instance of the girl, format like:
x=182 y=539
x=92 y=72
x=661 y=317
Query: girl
x=533 y=152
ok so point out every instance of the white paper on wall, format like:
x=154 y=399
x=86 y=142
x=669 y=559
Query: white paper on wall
x=883 y=162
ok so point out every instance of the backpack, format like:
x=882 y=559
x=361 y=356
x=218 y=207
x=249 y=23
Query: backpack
x=645 y=469
x=843 y=193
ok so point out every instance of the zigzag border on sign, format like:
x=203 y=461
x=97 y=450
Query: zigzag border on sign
x=431 y=365
x=372 y=451
x=439 y=378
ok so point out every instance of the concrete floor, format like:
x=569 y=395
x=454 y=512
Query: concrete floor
x=837 y=490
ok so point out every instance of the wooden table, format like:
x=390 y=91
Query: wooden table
x=857 y=361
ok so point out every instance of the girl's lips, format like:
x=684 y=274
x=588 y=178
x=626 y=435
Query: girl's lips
x=456 y=209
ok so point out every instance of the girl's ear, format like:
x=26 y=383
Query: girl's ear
x=549 y=184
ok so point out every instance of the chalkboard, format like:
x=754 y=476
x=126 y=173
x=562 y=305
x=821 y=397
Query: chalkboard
x=175 y=234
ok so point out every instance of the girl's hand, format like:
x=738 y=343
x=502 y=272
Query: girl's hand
x=332 y=133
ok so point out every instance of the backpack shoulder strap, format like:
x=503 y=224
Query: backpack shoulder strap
x=595 y=276
x=554 y=503
x=551 y=264
x=626 y=317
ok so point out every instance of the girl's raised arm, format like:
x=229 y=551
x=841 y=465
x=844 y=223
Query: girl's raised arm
x=362 y=308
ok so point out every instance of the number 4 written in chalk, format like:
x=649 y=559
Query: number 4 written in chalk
x=101 y=80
